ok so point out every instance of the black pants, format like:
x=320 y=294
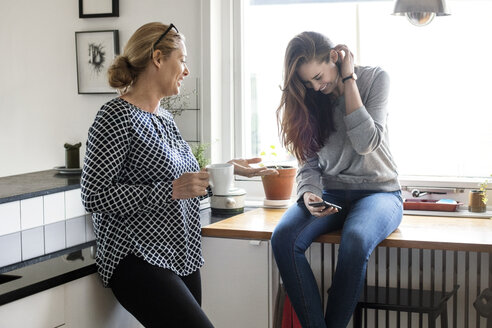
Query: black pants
x=158 y=297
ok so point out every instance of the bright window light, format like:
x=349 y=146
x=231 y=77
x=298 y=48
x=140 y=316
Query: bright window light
x=440 y=112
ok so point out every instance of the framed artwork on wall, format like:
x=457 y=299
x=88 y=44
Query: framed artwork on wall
x=98 y=8
x=94 y=51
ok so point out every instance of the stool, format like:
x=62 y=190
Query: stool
x=434 y=303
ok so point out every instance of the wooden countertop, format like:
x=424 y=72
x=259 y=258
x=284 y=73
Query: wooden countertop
x=423 y=232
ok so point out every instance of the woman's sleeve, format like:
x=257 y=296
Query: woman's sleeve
x=309 y=178
x=366 y=125
x=108 y=145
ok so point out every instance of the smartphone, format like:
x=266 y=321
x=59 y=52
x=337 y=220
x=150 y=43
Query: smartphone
x=325 y=204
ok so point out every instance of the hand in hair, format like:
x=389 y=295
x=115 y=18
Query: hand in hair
x=346 y=58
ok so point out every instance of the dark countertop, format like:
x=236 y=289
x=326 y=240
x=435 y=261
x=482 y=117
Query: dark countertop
x=23 y=186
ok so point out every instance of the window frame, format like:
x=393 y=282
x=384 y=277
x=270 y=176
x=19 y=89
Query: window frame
x=461 y=184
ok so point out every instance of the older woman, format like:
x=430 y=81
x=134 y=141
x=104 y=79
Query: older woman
x=142 y=184
x=333 y=119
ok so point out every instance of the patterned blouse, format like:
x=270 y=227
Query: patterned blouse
x=131 y=160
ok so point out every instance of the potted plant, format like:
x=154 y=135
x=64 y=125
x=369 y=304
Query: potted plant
x=198 y=151
x=176 y=104
x=478 y=198
x=278 y=187
x=483 y=189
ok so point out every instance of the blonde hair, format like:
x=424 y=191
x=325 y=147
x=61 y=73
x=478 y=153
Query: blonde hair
x=138 y=51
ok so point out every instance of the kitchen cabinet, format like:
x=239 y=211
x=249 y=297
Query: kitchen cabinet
x=236 y=280
x=88 y=304
x=42 y=310
x=80 y=303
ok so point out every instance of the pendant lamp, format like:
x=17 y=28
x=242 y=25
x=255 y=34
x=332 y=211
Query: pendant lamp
x=420 y=12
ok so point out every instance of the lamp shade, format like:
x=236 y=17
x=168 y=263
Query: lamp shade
x=438 y=7
x=420 y=12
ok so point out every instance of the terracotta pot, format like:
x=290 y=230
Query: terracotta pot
x=279 y=187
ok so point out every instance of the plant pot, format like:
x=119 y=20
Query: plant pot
x=279 y=187
x=475 y=201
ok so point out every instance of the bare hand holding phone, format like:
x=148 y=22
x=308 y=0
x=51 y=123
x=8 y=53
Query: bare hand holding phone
x=317 y=207
x=325 y=204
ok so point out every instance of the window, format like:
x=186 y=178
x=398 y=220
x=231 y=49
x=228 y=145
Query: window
x=440 y=112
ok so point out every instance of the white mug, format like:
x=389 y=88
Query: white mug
x=221 y=177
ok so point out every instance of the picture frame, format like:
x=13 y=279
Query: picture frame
x=98 y=8
x=95 y=51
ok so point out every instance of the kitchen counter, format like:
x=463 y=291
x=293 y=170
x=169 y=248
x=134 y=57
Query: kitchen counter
x=40 y=273
x=419 y=232
x=26 y=277
x=425 y=253
x=23 y=186
x=47 y=272
x=29 y=277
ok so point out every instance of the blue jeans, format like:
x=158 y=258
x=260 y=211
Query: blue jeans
x=366 y=219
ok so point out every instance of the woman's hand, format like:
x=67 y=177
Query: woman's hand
x=346 y=58
x=350 y=89
x=242 y=167
x=190 y=185
x=318 y=212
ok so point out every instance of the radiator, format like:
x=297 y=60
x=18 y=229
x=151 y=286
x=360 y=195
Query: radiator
x=416 y=269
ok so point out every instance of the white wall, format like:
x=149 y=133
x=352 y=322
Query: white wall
x=40 y=109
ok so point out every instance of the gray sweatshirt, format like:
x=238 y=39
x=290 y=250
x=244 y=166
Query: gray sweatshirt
x=356 y=156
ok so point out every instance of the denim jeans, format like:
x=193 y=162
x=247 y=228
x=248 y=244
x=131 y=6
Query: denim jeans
x=366 y=218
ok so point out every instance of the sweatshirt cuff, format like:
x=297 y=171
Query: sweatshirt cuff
x=356 y=118
x=309 y=188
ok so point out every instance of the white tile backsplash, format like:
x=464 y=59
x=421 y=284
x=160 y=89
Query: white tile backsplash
x=54 y=207
x=40 y=225
x=89 y=228
x=10 y=246
x=32 y=243
x=73 y=204
x=10 y=218
x=75 y=231
x=31 y=212
x=54 y=237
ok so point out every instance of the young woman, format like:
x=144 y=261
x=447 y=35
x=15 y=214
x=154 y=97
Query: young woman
x=142 y=184
x=333 y=118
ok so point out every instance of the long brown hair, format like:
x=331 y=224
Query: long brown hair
x=127 y=67
x=304 y=116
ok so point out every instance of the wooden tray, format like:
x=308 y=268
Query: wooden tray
x=429 y=205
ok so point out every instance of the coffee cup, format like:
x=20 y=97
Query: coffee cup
x=221 y=177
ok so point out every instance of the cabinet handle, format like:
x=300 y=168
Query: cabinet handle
x=255 y=242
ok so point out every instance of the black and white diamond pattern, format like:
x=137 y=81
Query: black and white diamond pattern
x=131 y=160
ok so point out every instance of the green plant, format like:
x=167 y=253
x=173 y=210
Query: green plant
x=178 y=103
x=270 y=158
x=483 y=188
x=272 y=153
x=198 y=151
